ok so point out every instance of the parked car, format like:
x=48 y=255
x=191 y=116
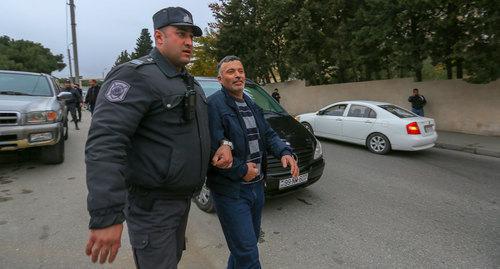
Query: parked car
x=380 y=126
x=33 y=114
x=306 y=147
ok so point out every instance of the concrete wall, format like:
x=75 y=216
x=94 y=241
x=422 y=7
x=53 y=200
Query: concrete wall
x=455 y=105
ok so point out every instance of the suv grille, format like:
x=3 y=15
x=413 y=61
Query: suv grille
x=305 y=156
x=8 y=118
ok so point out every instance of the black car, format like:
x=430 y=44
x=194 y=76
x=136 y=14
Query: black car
x=307 y=149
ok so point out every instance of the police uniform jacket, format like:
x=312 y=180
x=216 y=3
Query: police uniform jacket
x=76 y=97
x=139 y=137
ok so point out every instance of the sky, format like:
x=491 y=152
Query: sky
x=104 y=27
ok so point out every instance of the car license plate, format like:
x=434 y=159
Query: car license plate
x=292 y=181
x=429 y=128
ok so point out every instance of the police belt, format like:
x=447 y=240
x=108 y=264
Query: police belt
x=145 y=197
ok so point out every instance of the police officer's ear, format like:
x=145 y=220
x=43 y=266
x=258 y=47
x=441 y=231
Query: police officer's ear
x=159 y=36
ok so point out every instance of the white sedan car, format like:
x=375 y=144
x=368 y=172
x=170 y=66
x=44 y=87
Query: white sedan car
x=380 y=126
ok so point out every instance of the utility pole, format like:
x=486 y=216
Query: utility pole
x=73 y=34
x=69 y=63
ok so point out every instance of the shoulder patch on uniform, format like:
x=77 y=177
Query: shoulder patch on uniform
x=117 y=91
x=136 y=61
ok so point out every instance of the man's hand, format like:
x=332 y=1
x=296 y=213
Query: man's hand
x=223 y=158
x=104 y=242
x=288 y=160
x=252 y=172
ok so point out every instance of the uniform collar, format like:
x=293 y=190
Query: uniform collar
x=165 y=65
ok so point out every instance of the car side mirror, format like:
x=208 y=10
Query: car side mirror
x=321 y=112
x=64 y=96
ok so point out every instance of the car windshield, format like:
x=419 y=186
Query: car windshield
x=400 y=112
x=24 y=84
x=258 y=95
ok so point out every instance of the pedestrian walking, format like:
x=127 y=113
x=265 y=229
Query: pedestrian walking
x=79 y=105
x=148 y=149
x=238 y=192
x=91 y=96
x=418 y=102
x=73 y=102
x=276 y=95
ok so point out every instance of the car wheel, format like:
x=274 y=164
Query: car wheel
x=204 y=200
x=308 y=127
x=378 y=143
x=65 y=130
x=53 y=154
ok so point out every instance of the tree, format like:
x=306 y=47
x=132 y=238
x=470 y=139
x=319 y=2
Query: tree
x=250 y=30
x=204 y=59
x=24 y=55
x=143 y=45
x=122 y=58
x=335 y=41
x=481 y=41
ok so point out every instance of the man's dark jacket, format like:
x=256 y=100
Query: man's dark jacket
x=92 y=94
x=227 y=123
x=138 y=137
x=417 y=101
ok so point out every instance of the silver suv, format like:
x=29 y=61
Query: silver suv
x=33 y=114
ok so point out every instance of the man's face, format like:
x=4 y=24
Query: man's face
x=92 y=83
x=67 y=85
x=176 y=44
x=415 y=92
x=232 y=76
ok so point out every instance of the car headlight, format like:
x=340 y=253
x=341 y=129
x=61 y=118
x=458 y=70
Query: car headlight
x=318 y=151
x=297 y=118
x=41 y=117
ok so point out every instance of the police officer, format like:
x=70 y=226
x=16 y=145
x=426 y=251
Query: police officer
x=148 y=149
x=79 y=105
x=74 y=102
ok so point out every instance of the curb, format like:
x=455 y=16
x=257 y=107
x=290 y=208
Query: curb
x=473 y=150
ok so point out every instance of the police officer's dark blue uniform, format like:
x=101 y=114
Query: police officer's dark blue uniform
x=73 y=103
x=148 y=151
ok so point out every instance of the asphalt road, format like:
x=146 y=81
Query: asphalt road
x=430 y=209
x=435 y=208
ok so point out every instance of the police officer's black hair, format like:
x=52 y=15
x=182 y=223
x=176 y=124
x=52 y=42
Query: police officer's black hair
x=227 y=59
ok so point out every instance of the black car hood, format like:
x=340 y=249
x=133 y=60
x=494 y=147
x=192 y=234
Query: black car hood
x=292 y=131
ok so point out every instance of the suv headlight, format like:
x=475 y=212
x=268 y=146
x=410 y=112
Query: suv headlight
x=41 y=117
x=318 y=151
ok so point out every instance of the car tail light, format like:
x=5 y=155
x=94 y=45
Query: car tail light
x=412 y=129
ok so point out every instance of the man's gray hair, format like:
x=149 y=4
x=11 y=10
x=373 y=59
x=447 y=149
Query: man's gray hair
x=226 y=59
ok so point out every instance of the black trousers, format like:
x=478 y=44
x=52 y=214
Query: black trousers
x=79 y=109
x=157 y=236
x=72 y=111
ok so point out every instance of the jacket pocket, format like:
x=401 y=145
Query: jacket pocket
x=172 y=115
x=139 y=240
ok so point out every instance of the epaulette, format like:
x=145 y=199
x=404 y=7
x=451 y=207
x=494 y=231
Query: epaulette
x=142 y=61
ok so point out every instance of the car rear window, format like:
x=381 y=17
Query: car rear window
x=397 y=111
x=24 y=84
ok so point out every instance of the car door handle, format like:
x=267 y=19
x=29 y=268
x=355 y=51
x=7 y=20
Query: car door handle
x=368 y=121
x=338 y=119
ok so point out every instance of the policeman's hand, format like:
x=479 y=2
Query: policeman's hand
x=223 y=158
x=252 y=172
x=288 y=160
x=104 y=242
